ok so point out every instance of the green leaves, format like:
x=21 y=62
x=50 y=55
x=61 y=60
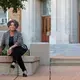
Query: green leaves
x=4 y=52
x=15 y=4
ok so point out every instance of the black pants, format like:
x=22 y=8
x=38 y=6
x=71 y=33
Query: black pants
x=16 y=54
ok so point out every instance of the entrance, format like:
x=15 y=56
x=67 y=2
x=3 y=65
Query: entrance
x=46 y=28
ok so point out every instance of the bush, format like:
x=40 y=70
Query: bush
x=4 y=52
x=15 y=4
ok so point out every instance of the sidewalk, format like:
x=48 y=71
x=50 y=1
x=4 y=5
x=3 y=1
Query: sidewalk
x=41 y=74
x=58 y=73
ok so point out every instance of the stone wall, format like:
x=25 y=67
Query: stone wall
x=65 y=50
x=64 y=25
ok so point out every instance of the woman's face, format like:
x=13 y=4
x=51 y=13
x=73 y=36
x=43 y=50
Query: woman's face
x=12 y=27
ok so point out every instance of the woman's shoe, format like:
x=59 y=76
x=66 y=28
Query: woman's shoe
x=25 y=73
x=13 y=65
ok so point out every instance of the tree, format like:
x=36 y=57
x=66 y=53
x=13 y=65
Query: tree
x=15 y=4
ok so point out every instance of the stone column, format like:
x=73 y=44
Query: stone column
x=25 y=27
x=53 y=22
x=37 y=21
x=60 y=21
x=31 y=22
x=74 y=21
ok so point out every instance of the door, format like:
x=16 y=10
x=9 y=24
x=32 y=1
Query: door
x=46 y=28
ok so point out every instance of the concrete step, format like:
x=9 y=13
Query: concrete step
x=31 y=62
x=65 y=60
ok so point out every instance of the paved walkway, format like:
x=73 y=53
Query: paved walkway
x=58 y=73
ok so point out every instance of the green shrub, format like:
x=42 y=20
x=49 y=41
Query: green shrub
x=4 y=52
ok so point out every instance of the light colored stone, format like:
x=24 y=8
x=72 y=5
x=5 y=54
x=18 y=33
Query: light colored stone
x=64 y=21
x=31 y=22
x=6 y=70
x=31 y=63
x=41 y=50
x=31 y=68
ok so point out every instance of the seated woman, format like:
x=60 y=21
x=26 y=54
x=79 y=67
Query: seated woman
x=12 y=39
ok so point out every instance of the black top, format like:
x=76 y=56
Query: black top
x=11 y=41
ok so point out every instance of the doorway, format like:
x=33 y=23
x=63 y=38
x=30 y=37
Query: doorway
x=46 y=28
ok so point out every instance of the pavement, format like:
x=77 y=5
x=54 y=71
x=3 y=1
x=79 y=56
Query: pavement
x=57 y=73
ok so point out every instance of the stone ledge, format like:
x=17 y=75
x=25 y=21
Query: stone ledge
x=66 y=57
x=31 y=63
x=65 y=60
x=26 y=59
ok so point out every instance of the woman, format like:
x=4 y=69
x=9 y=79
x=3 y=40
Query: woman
x=12 y=39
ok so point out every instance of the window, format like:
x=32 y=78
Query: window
x=46 y=7
x=3 y=17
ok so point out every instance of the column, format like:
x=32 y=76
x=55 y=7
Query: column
x=60 y=21
x=31 y=22
x=74 y=21
x=63 y=21
x=37 y=21
x=53 y=22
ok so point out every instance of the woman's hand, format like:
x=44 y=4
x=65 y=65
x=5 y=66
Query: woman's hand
x=9 y=51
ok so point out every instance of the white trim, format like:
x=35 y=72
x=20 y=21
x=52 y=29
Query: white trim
x=7 y=15
x=2 y=30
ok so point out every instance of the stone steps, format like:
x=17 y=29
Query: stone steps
x=65 y=60
x=65 y=54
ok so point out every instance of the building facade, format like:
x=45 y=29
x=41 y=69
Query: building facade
x=65 y=26
x=30 y=20
x=34 y=27
x=64 y=20
x=53 y=21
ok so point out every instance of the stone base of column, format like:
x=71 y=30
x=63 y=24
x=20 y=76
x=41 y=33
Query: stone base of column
x=52 y=39
x=62 y=38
